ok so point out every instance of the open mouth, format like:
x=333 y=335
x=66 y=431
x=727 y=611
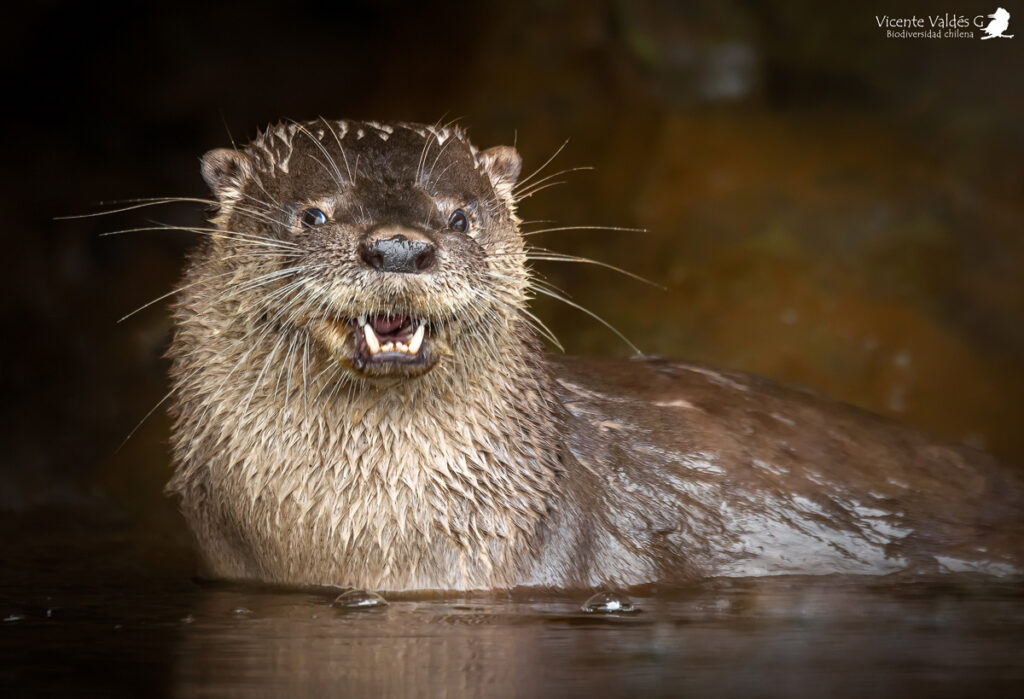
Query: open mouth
x=391 y=343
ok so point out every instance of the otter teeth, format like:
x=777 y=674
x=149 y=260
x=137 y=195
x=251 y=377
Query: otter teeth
x=371 y=338
x=373 y=342
x=417 y=339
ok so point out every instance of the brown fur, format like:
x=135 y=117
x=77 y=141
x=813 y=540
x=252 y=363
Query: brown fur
x=293 y=470
x=483 y=471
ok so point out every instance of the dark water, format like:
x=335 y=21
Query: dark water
x=108 y=611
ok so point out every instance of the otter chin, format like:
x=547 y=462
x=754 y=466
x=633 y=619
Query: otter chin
x=361 y=398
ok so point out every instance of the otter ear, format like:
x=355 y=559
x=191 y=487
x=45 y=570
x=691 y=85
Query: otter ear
x=502 y=165
x=225 y=171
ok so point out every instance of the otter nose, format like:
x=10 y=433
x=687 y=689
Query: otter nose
x=399 y=250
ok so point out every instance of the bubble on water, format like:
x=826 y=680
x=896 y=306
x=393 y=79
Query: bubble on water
x=609 y=602
x=359 y=599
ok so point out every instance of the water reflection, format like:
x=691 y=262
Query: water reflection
x=793 y=637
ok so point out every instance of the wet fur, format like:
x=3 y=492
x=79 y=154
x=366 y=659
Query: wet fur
x=499 y=467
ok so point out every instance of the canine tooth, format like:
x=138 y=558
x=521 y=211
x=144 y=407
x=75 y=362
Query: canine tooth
x=387 y=347
x=371 y=339
x=417 y=339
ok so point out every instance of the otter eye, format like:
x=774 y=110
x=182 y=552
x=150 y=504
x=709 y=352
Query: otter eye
x=313 y=217
x=458 y=221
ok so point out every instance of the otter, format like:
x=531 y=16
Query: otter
x=361 y=398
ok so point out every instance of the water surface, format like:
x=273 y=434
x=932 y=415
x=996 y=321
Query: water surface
x=114 y=611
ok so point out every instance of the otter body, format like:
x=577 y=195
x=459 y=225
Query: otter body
x=360 y=399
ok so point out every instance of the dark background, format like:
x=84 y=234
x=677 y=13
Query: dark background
x=826 y=206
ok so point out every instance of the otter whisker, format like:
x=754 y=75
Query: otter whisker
x=427 y=143
x=341 y=149
x=539 y=325
x=441 y=175
x=271 y=205
x=263 y=330
x=336 y=175
x=551 y=256
x=531 y=192
x=440 y=151
x=259 y=378
x=327 y=170
x=542 y=184
x=602 y=321
x=547 y=162
x=520 y=189
x=625 y=229
x=268 y=278
x=145 y=417
x=274 y=202
x=530 y=254
x=141 y=203
x=210 y=232
x=235 y=291
x=305 y=367
x=535 y=221
x=254 y=214
x=286 y=369
x=202 y=280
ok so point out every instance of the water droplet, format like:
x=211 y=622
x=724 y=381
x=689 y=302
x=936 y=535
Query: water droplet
x=241 y=610
x=360 y=599
x=609 y=602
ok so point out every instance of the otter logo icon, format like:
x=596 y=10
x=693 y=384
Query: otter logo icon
x=999 y=24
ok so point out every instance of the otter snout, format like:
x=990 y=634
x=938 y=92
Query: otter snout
x=398 y=249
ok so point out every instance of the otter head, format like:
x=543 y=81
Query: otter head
x=393 y=246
